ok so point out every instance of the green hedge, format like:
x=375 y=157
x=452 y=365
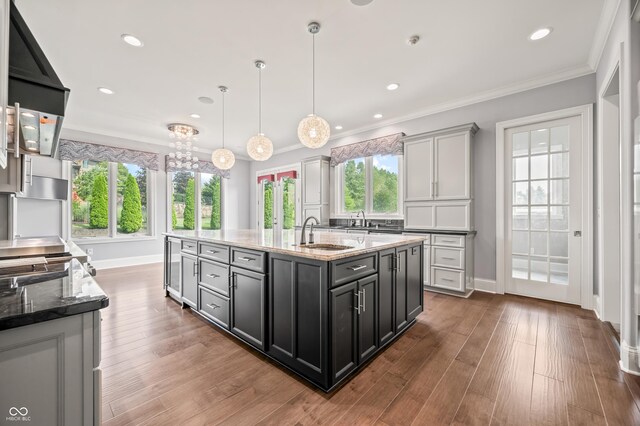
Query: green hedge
x=131 y=217
x=99 y=211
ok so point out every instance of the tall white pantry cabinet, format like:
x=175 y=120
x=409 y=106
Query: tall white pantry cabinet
x=438 y=200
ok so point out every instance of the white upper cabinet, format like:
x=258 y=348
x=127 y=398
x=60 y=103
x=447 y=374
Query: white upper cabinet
x=419 y=161
x=4 y=78
x=312 y=181
x=438 y=179
x=452 y=167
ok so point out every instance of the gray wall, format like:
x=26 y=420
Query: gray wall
x=553 y=97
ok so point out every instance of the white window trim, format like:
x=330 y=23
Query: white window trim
x=113 y=236
x=198 y=200
x=368 y=165
x=586 y=114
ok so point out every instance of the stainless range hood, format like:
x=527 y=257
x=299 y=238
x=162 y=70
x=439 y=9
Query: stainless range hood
x=36 y=93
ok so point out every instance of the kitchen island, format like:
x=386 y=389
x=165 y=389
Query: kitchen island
x=322 y=310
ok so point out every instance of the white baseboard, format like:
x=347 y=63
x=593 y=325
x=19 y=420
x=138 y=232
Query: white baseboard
x=127 y=261
x=629 y=359
x=596 y=306
x=488 y=286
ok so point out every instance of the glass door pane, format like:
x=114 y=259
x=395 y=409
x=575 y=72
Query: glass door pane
x=288 y=202
x=540 y=205
x=267 y=203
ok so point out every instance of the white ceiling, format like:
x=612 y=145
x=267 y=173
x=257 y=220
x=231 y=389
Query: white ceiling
x=468 y=48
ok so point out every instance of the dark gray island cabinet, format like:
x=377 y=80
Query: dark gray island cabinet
x=322 y=314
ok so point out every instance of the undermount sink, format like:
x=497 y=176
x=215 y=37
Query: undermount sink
x=326 y=247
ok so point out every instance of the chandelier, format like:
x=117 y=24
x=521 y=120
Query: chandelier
x=182 y=136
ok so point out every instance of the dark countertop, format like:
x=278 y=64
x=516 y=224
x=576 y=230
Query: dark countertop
x=390 y=229
x=67 y=289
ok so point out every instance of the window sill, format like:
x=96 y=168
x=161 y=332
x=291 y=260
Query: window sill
x=103 y=240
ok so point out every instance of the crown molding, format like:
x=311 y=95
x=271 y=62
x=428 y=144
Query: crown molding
x=605 y=24
x=488 y=95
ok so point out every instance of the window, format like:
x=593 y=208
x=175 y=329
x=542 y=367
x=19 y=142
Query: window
x=210 y=201
x=196 y=201
x=371 y=184
x=109 y=200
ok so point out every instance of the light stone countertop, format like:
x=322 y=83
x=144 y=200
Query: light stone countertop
x=286 y=242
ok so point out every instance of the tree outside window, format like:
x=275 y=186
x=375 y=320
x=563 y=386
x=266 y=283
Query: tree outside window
x=371 y=184
x=132 y=200
x=210 y=217
x=183 y=200
x=89 y=199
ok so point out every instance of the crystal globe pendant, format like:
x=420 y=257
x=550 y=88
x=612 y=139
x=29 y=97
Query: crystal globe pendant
x=260 y=147
x=313 y=130
x=223 y=158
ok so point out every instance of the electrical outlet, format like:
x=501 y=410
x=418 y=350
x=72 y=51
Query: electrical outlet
x=89 y=252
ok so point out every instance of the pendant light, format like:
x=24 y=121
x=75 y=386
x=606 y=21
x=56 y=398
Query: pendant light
x=259 y=146
x=313 y=130
x=223 y=158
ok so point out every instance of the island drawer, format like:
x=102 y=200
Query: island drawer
x=347 y=270
x=447 y=257
x=213 y=306
x=189 y=246
x=448 y=240
x=213 y=251
x=249 y=259
x=215 y=276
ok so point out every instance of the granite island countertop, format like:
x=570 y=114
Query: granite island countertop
x=287 y=242
x=65 y=289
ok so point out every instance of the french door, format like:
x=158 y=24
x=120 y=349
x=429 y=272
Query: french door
x=278 y=200
x=543 y=202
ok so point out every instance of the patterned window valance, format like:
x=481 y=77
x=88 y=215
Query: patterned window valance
x=74 y=150
x=203 y=167
x=391 y=144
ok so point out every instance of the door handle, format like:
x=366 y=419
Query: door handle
x=195 y=269
x=357 y=267
x=357 y=295
x=577 y=233
x=448 y=258
x=447 y=279
x=213 y=276
x=212 y=251
x=246 y=259
x=364 y=300
x=212 y=306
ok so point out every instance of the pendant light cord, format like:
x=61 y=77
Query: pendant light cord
x=222 y=120
x=313 y=75
x=260 y=100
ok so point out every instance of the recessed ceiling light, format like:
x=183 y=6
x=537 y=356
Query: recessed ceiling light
x=132 y=40
x=377 y=116
x=393 y=86
x=27 y=114
x=105 y=90
x=195 y=116
x=338 y=127
x=540 y=34
x=29 y=127
x=361 y=2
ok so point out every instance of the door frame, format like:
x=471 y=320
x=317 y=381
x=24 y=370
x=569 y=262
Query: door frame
x=274 y=170
x=585 y=112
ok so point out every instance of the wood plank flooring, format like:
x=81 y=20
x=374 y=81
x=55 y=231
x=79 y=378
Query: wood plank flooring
x=484 y=360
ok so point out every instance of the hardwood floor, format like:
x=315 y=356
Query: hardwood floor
x=484 y=360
